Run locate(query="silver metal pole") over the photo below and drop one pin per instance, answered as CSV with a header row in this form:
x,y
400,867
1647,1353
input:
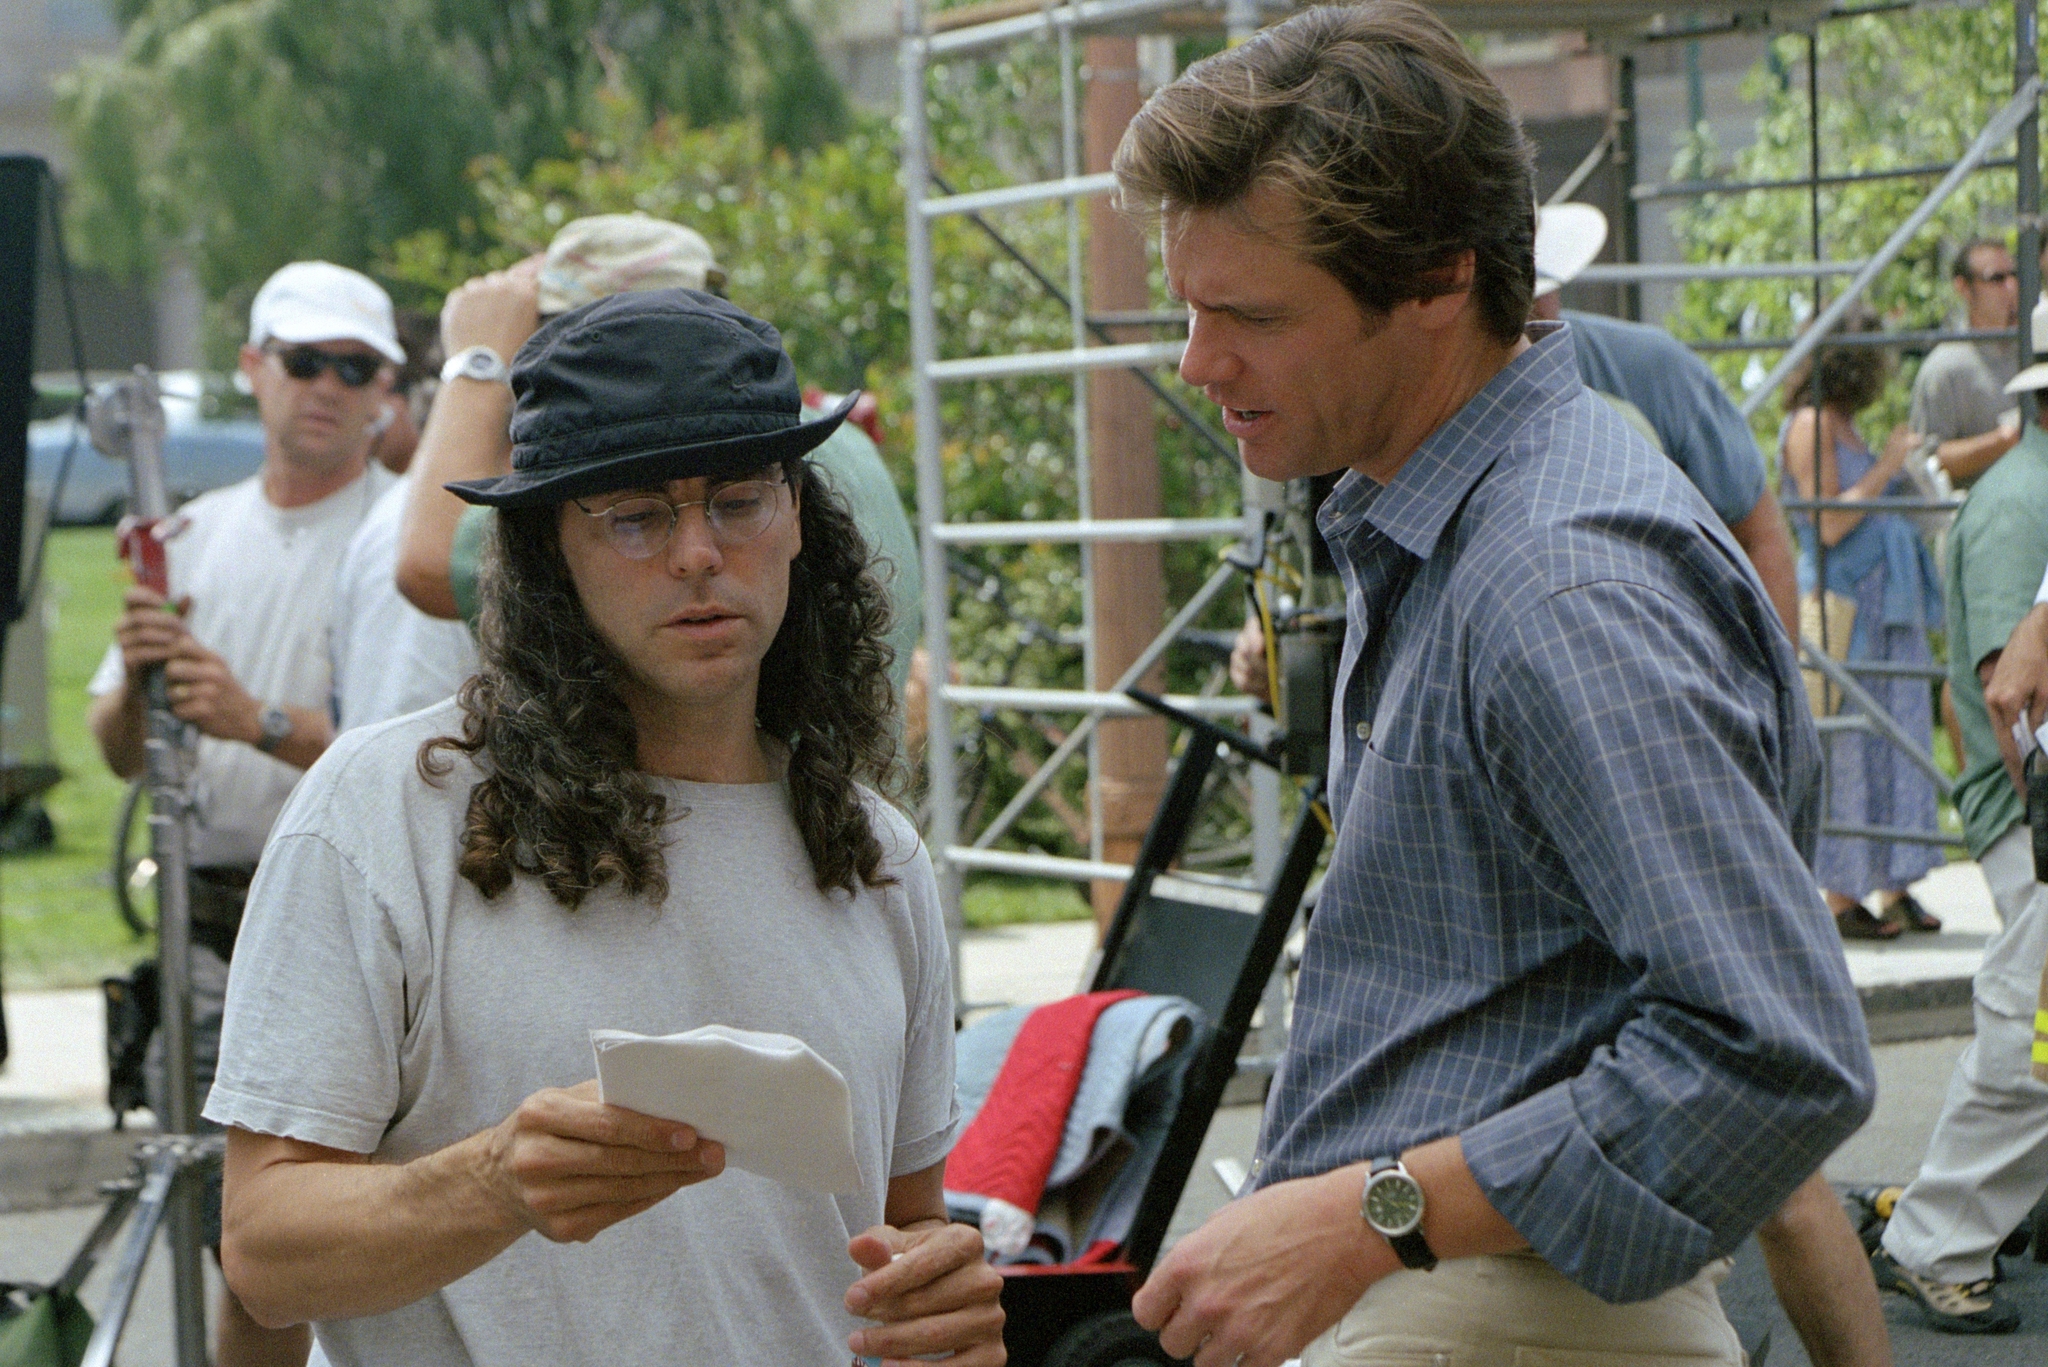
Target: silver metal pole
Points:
x,y
1240,20
127,422
1264,502
1602,273
1078,737
1102,529
963,42
939,752
1109,704
1880,720
1077,315
1011,196
159,1183
1586,167
2002,126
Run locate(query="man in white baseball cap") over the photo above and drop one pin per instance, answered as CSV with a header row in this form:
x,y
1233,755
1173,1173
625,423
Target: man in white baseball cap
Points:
x,y
243,635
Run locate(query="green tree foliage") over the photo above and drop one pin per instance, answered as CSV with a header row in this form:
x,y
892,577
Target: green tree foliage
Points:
x,y
241,134
1897,90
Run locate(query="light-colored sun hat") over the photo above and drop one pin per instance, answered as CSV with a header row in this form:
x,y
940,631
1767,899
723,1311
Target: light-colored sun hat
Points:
x,y
606,254
317,301
2034,376
1568,237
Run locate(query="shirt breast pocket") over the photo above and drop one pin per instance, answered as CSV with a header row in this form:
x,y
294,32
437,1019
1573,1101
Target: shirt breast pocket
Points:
x,y
1416,851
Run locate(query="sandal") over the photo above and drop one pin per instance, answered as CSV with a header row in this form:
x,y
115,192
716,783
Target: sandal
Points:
x,y
1915,916
1856,923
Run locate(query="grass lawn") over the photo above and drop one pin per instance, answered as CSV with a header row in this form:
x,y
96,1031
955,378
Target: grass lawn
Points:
x,y
1005,901
58,927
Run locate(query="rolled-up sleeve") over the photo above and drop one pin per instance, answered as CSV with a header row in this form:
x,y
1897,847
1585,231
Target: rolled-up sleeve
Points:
x,y
1634,749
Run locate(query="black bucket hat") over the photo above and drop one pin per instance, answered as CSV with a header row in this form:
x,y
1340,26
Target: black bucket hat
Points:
x,y
642,388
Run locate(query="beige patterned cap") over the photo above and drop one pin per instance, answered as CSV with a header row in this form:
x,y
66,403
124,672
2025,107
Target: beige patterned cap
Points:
x,y
607,254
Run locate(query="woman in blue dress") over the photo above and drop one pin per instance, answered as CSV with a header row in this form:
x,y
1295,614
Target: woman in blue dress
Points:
x,y
1878,561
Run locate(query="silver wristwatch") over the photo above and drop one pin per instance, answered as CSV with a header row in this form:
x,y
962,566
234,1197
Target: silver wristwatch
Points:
x,y
1392,1204
477,363
275,727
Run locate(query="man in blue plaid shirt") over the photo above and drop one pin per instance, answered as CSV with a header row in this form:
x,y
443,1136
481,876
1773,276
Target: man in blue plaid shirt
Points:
x,y
1572,1019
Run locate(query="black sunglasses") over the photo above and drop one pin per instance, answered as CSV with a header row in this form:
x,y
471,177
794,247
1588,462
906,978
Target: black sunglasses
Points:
x,y
351,368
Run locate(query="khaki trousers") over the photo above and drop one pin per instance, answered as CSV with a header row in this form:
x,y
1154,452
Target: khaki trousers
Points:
x,y
1515,1310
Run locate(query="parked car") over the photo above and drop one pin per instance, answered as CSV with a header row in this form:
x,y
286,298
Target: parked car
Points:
x,y
200,453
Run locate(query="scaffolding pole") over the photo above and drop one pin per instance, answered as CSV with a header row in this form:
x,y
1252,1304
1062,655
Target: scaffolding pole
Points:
x,y
942,832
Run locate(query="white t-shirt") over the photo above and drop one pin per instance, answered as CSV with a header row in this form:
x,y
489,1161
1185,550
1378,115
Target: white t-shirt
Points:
x,y
261,581
389,657
379,1004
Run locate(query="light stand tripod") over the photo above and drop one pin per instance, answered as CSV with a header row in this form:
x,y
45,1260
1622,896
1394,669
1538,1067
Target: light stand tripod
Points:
x,y
126,421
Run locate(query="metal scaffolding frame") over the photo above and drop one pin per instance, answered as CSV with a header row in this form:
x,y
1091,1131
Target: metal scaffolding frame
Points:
x,y
1622,25
1089,351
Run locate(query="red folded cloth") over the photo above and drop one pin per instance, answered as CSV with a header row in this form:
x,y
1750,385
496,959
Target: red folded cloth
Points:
x,y
1008,1152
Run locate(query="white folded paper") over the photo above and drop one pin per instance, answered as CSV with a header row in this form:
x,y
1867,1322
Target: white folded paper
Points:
x,y
778,1108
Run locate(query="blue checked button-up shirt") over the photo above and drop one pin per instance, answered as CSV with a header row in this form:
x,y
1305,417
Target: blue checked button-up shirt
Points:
x,y
1569,914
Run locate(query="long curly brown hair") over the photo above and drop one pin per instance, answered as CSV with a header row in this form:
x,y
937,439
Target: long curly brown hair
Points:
x,y
562,797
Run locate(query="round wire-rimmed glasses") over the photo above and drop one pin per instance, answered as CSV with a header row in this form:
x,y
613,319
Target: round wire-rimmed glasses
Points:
x,y
639,527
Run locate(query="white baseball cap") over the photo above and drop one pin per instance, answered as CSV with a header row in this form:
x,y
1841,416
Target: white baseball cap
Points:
x,y
2034,376
1568,237
317,301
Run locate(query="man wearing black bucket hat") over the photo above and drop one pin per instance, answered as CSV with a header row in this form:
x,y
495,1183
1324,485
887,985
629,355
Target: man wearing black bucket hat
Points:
x,y
644,813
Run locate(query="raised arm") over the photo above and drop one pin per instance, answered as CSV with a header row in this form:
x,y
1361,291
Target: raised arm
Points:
x,y
467,433
315,1233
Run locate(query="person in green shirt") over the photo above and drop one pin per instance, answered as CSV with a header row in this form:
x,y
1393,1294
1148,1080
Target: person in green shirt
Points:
x,y
1987,1162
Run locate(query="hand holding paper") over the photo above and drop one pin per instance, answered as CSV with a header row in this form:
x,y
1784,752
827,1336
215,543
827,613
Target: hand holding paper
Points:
x,y
779,1110
569,1166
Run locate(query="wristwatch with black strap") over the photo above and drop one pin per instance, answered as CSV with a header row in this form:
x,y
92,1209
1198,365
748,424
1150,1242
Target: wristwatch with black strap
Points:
x,y
1392,1204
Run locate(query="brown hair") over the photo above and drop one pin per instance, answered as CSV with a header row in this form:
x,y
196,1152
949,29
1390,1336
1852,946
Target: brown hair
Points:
x,y
1849,378
1961,267
562,797
1396,149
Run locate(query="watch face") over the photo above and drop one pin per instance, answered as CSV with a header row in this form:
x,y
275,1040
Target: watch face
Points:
x,y
1393,1204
